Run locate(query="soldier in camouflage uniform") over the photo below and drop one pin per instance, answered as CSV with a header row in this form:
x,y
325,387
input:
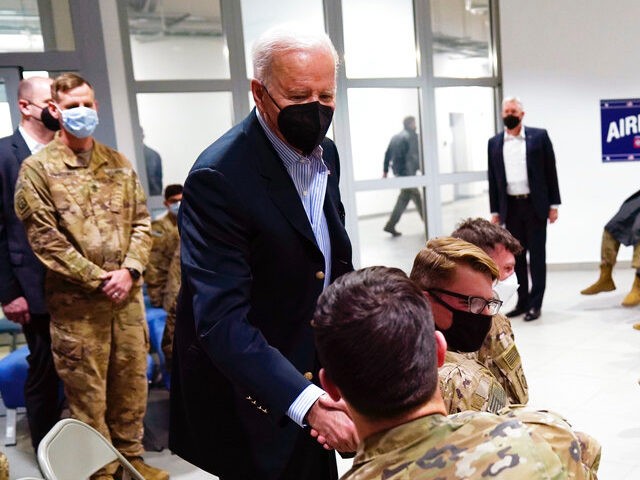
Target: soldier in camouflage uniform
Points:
x,y
85,216
170,300
465,382
165,241
376,340
499,352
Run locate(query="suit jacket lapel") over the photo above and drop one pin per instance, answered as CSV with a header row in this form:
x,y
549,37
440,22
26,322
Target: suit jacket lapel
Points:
x,y
279,184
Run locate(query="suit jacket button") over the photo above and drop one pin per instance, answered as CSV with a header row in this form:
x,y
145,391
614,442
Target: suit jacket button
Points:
x,y
308,376
320,275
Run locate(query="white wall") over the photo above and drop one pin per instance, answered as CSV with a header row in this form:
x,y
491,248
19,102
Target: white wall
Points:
x,y
561,59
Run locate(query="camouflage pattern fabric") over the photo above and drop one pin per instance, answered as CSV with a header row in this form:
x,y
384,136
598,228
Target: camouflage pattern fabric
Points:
x,y
85,215
500,355
164,232
583,448
4,467
170,300
472,445
467,385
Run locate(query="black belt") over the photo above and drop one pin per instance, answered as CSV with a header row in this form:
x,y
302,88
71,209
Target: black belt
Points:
x,y
524,196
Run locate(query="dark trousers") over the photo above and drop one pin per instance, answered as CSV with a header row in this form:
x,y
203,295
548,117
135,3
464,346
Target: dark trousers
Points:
x,y
42,388
406,195
531,232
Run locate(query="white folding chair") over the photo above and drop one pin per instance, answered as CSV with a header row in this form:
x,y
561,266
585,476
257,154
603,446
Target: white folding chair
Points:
x,y
72,450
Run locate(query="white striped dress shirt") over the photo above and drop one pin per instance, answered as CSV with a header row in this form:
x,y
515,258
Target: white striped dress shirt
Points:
x,y
309,175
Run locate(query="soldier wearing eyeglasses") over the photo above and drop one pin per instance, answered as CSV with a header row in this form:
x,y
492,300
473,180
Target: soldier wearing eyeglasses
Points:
x,y
457,278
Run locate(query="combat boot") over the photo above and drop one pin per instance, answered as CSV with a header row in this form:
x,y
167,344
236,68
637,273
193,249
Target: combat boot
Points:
x,y
633,297
603,284
636,326
147,471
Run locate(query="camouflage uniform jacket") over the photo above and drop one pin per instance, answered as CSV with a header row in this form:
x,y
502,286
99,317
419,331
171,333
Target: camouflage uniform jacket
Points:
x,y
467,385
500,355
84,214
169,304
164,232
472,445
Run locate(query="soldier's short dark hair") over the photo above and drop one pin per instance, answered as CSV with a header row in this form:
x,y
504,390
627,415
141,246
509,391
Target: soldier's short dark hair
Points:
x,y
486,235
435,265
65,82
374,333
171,190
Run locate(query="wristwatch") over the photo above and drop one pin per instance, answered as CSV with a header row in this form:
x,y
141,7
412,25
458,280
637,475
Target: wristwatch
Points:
x,y
135,274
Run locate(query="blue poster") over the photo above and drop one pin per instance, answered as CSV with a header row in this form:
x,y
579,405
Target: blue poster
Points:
x,y
620,130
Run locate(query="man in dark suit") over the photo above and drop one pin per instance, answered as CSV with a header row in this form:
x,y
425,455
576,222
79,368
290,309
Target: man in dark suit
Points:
x,y
21,273
262,234
523,194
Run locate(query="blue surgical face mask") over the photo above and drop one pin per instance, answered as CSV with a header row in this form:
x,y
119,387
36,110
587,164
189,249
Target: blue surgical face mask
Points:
x,y
80,122
174,208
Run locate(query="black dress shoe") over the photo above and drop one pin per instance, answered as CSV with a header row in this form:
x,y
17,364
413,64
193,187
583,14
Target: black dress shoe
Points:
x,y
392,231
516,312
532,314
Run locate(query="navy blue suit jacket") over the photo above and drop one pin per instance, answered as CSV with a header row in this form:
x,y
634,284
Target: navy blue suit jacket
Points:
x,y
250,282
541,172
21,273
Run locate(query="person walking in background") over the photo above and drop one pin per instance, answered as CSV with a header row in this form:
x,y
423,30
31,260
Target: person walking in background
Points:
x,y
86,219
403,156
623,228
262,234
524,195
21,273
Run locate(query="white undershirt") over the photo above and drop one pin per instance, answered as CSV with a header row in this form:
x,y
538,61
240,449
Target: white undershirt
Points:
x,y
514,152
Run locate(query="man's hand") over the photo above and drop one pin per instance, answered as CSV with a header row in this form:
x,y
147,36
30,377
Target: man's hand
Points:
x,y
117,284
495,218
331,425
17,311
553,215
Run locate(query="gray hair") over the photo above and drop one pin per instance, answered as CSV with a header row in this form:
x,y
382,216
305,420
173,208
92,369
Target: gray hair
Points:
x,y
515,100
286,39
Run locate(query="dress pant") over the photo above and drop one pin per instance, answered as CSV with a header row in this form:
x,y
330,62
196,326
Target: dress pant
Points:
x,y
531,232
42,391
404,197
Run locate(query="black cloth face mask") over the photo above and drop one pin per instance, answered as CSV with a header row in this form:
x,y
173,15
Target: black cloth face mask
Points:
x,y
511,121
47,119
303,125
467,331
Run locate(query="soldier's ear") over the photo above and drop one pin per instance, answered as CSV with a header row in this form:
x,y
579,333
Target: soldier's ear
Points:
x,y
328,386
441,346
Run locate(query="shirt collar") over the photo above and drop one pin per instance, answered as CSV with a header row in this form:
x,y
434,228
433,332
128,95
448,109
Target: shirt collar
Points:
x,y
33,145
288,155
508,136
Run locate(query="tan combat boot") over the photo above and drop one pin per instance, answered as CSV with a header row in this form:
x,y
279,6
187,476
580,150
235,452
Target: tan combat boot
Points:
x,y
636,326
633,297
147,471
603,284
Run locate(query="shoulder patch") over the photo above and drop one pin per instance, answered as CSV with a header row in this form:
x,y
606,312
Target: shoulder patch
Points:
x,y
23,207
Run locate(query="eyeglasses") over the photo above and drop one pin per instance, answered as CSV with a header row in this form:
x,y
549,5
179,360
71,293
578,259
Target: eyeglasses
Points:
x,y
474,304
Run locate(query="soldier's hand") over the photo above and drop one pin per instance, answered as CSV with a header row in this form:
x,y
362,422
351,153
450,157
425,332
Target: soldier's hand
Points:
x,y
117,284
495,219
331,425
17,310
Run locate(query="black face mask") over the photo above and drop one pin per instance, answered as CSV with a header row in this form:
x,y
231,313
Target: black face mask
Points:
x,y
303,125
511,121
467,331
47,119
